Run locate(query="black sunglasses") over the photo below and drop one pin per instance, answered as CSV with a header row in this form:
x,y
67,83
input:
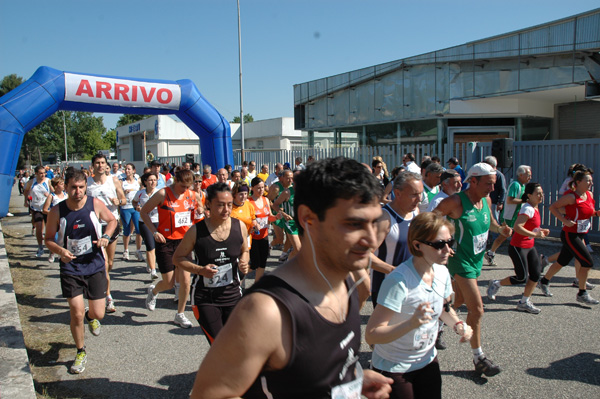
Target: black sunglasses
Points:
x,y
440,244
197,181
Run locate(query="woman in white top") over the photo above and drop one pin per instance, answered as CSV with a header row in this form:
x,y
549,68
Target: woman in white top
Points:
x,y
129,214
149,181
59,195
412,298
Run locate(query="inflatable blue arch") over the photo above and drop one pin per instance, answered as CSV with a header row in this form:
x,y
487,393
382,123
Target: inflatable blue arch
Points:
x,y
50,90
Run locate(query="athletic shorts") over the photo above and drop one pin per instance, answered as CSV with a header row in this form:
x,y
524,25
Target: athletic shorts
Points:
x,y
115,234
91,287
259,253
37,216
164,255
465,271
289,226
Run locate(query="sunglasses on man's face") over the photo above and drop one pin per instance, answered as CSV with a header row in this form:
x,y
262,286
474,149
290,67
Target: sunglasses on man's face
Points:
x,y
440,244
197,181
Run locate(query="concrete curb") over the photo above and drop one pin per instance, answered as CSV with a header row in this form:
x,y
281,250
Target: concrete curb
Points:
x,y
16,380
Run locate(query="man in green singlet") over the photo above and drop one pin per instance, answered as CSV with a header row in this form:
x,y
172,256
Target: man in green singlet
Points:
x,y
469,210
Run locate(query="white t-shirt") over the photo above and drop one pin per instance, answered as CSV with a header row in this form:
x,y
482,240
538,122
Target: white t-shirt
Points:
x,y
130,190
403,291
141,197
439,197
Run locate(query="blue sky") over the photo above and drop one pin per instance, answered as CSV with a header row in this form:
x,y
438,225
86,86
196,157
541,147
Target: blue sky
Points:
x,y
284,42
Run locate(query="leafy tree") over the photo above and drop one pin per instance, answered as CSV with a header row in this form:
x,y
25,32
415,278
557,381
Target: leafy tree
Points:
x,y
247,119
9,82
126,119
110,139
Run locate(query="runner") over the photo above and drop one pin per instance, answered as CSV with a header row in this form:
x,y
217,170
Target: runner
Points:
x,y
296,334
221,248
80,246
243,209
412,299
574,210
58,196
469,210
176,207
259,253
108,190
36,191
149,181
129,214
393,228
511,208
521,250
281,194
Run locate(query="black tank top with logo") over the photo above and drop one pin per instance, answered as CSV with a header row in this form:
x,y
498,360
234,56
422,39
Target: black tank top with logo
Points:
x,y
224,288
323,362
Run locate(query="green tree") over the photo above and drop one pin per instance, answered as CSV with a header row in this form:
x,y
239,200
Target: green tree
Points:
x,y
9,82
110,139
126,119
247,119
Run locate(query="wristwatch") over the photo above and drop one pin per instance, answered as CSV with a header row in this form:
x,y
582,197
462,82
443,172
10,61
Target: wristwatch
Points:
x,y
105,236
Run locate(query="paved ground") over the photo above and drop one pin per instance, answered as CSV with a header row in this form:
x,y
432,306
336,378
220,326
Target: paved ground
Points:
x,y
142,354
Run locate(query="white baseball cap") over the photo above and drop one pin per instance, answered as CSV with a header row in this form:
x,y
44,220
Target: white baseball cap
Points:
x,y
480,169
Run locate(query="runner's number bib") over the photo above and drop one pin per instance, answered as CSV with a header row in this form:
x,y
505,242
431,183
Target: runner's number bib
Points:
x,y
583,226
479,243
183,219
80,247
223,277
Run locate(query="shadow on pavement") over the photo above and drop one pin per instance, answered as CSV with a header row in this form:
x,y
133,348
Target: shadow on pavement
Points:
x,y
583,367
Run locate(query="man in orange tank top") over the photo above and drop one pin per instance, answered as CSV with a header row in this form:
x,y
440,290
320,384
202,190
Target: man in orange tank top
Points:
x,y
176,206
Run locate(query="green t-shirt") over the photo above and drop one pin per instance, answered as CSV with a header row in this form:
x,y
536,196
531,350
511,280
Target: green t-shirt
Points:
x,y
511,211
471,232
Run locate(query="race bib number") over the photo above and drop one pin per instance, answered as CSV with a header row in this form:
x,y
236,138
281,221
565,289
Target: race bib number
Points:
x,y
479,243
424,337
183,219
223,277
80,247
583,226
262,222
349,390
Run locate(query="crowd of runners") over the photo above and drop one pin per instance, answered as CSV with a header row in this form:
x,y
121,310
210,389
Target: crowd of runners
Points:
x,y
413,239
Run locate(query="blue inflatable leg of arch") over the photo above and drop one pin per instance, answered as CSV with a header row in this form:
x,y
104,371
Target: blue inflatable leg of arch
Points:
x,y
50,90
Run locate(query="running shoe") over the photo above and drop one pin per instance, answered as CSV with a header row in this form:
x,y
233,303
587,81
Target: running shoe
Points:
x,y
79,364
151,299
493,288
588,286
40,252
544,262
176,291
51,258
440,344
94,326
486,366
489,258
110,306
545,288
153,274
528,307
9,214
587,299
182,321
285,255
139,256
126,254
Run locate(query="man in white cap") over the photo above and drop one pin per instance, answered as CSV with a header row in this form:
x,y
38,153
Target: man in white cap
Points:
x,y
469,210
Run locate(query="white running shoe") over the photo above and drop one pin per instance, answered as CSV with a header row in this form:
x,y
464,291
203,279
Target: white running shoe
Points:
x,y
493,288
40,252
528,307
110,305
51,258
587,299
139,255
126,254
153,274
151,299
182,321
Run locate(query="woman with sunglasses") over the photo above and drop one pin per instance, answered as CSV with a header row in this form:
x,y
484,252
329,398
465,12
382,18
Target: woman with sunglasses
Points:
x,y
523,254
412,298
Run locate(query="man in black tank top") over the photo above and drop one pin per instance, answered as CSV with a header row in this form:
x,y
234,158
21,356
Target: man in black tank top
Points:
x,y
296,333
81,248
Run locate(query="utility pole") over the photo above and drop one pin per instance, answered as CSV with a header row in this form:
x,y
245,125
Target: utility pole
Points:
x,y
241,95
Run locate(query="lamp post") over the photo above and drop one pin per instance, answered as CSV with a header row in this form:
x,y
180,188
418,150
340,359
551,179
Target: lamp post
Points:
x,y
241,95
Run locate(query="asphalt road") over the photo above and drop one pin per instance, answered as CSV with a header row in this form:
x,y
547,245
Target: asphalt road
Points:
x,y
142,354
